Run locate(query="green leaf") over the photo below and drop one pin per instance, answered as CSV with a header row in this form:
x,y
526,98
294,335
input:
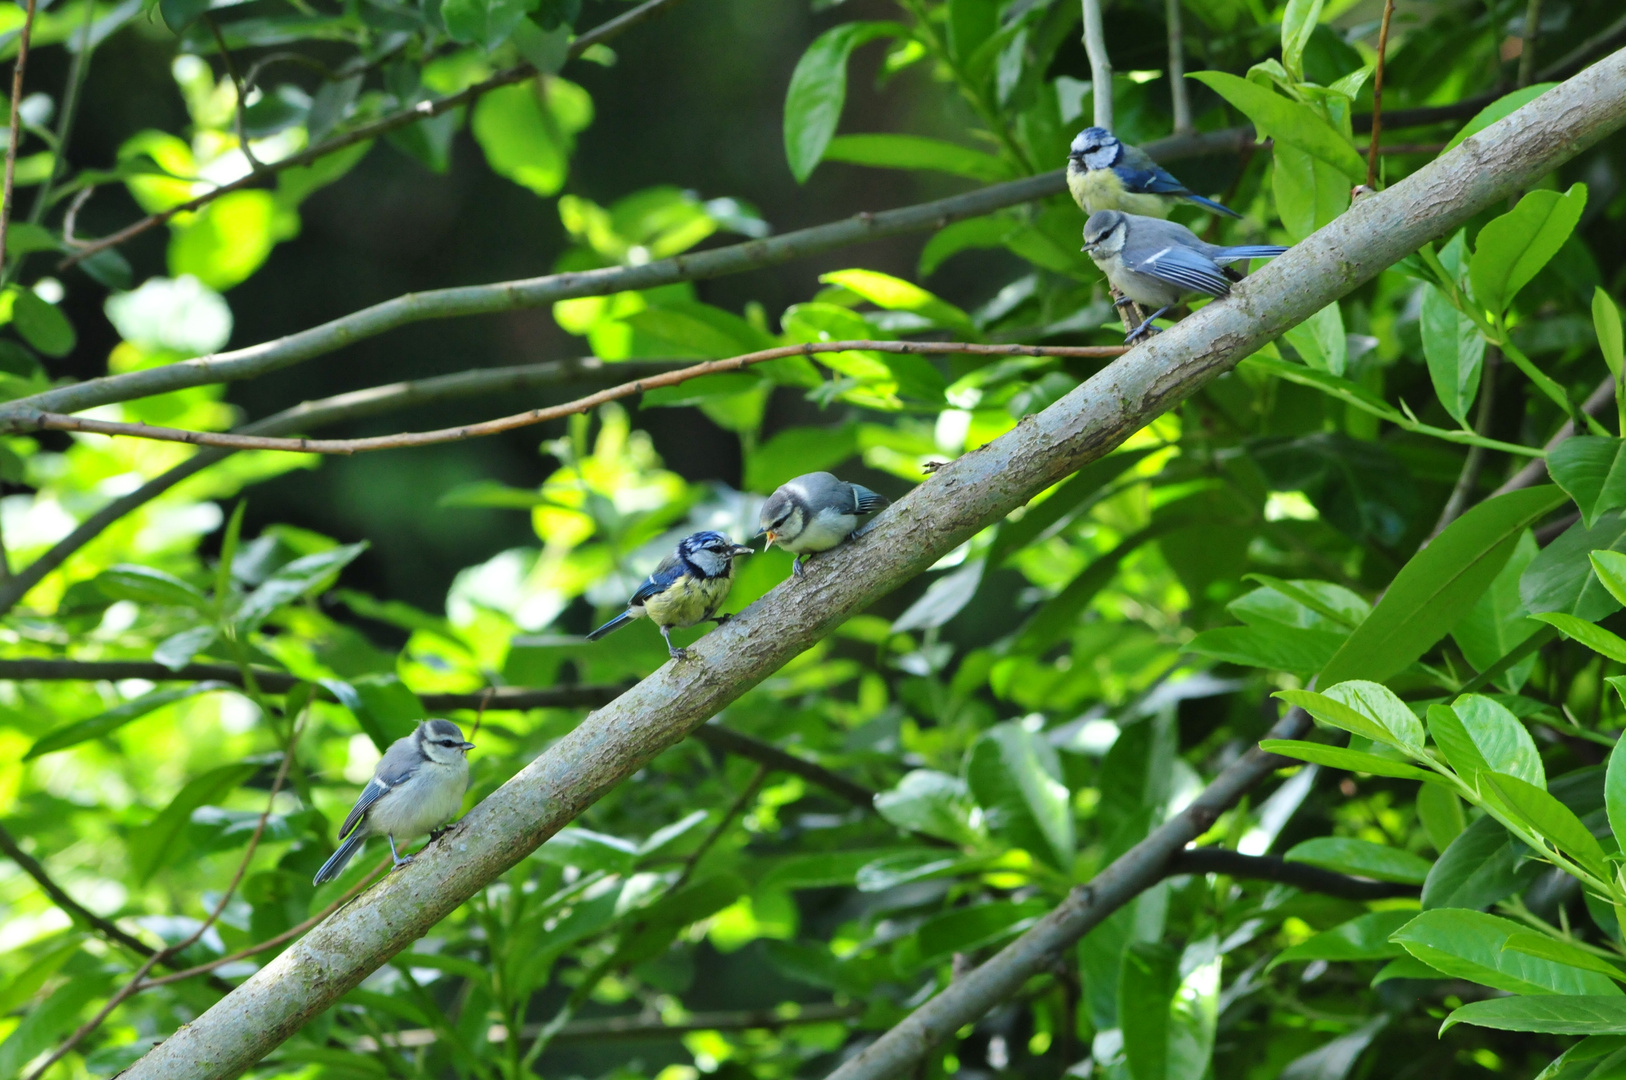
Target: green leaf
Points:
x,y
1286,121
528,131
303,575
969,928
933,803
1552,820
1361,858
989,231
896,294
1614,793
179,14
177,650
1502,106
1606,323
42,325
1592,469
1470,945
1511,249
589,851
148,585
1147,980
1336,713
487,23
1440,812
1561,576
1483,865
1298,23
1365,937
49,1022
1015,777
1439,585
823,869
1455,351
228,240
106,723
1309,192
818,90
917,152
153,845
1270,646
1380,703
1336,757
1594,637
798,450
1320,340
1497,625
1073,496
1590,1014
1562,952
1486,735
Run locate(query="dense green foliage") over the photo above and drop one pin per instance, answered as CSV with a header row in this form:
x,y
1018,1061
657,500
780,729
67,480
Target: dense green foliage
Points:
x,y
1050,693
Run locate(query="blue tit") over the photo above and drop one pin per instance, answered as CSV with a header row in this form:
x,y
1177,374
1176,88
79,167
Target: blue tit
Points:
x,y
417,787
1154,262
1105,174
815,512
686,588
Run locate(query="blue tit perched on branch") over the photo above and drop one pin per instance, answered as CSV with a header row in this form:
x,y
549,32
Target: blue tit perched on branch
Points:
x,y
416,788
686,588
814,513
1105,174
1154,262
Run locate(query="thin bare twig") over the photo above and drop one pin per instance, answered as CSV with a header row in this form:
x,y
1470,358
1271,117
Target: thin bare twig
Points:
x,y
1377,96
1474,463
1527,43
135,984
1095,47
16,126
424,110
1601,398
1179,92
255,164
60,422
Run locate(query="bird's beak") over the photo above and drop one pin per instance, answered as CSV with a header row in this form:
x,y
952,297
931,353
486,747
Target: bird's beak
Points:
x,y
741,549
771,535
466,747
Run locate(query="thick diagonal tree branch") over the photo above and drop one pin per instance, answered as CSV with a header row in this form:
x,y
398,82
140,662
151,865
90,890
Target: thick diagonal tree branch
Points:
x,y
256,360
951,506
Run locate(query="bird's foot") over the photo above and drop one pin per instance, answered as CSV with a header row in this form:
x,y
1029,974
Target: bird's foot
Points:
x,y
796,566
677,653
401,860
436,834
1123,301
721,619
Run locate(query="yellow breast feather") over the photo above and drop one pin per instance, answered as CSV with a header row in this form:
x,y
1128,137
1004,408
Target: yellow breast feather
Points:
x,y
1102,190
688,600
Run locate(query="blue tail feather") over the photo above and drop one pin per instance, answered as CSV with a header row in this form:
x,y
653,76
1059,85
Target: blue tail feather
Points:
x,y
1254,251
614,624
1219,208
341,858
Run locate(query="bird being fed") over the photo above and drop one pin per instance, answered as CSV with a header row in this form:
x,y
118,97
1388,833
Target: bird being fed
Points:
x,y
1154,262
686,588
815,512
1106,174
416,788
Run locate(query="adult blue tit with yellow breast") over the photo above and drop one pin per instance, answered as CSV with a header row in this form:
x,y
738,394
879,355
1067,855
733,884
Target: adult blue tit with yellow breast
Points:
x,y
1155,262
686,588
815,512
416,788
1106,174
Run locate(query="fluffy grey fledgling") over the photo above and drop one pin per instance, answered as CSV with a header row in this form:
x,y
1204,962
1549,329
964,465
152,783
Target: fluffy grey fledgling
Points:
x,y
416,788
815,512
1154,262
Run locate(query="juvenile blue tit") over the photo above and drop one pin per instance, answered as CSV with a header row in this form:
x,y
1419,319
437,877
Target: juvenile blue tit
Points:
x,y
1105,174
1154,262
417,787
686,588
815,513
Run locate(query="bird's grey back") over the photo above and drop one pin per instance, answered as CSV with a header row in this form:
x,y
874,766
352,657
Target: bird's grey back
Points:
x,y
823,489
400,761
1157,233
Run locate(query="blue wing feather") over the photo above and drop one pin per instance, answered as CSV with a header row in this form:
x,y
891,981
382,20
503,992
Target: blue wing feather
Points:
x,y
659,580
1152,181
1185,268
369,795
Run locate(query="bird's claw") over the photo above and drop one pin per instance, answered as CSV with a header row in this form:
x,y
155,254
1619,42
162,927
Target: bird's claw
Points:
x,y
400,861
677,653
796,566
